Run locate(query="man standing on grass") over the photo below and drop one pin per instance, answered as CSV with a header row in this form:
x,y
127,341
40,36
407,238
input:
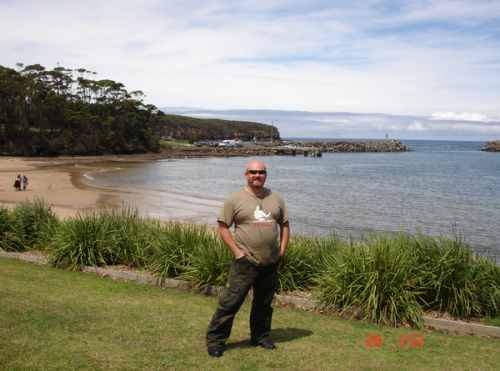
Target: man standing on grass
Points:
x,y
256,212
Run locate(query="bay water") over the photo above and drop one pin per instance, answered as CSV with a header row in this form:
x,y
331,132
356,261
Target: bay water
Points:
x,y
439,187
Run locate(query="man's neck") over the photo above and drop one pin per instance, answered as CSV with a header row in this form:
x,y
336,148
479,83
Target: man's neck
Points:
x,y
255,191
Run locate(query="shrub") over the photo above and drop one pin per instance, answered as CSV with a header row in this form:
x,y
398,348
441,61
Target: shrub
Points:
x,y
378,277
129,237
170,250
459,280
489,281
208,260
296,268
9,237
83,240
35,224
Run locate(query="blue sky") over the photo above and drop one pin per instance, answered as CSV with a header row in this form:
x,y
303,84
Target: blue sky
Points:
x,y
421,69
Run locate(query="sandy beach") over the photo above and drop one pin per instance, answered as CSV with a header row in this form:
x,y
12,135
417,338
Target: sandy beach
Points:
x,y
66,184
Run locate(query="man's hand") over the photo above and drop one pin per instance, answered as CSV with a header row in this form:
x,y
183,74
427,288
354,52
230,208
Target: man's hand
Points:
x,y
228,239
284,237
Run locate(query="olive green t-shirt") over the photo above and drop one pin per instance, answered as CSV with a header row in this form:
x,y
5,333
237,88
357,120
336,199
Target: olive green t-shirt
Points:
x,y
256,221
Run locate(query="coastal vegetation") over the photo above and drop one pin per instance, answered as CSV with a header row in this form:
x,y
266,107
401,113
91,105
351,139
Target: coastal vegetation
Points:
x,y
385,278
64,111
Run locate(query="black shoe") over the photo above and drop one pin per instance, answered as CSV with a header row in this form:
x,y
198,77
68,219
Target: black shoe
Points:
x,y
266,344
215,351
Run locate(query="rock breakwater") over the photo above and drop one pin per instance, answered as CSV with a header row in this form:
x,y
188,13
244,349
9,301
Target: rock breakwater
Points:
x,y
492,146
355,146
369,146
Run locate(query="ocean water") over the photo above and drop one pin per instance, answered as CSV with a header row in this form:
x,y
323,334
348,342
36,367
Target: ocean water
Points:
x,y
440,187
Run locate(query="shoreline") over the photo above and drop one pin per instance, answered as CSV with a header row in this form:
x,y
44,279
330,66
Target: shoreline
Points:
x,y
62,183
57,186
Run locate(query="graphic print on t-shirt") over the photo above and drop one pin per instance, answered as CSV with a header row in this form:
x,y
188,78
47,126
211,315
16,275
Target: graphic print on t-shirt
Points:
x,y
260,217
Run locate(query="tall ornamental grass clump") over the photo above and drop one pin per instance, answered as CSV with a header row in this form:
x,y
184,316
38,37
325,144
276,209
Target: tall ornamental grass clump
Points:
x,y
458,279
378,278
34,224
322,248
105,238
489,296
83,240
129,237
173,248
297,266
9,237
208,260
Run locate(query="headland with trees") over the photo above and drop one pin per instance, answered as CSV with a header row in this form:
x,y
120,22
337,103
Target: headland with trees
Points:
x,y
70,112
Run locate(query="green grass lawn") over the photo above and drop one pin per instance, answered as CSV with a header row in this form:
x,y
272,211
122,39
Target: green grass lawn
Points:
x,y
53,319
492,322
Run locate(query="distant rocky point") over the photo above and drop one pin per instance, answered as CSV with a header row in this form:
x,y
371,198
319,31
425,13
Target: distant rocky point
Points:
x,y
492,146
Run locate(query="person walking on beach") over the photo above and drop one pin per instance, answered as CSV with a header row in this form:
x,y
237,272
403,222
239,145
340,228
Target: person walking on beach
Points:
x,y
257,256
17,183
25,182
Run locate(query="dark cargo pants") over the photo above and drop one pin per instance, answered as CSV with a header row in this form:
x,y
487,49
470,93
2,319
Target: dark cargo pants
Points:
x,y
242,276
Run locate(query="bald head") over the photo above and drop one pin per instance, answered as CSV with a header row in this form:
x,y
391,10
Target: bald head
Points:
x,y
256,165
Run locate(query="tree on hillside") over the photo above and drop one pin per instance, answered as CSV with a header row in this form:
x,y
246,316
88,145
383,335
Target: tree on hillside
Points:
x,y
52,112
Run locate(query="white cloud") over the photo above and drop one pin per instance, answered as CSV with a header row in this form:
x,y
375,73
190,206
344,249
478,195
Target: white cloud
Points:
x,y
441,115
467,129
416,126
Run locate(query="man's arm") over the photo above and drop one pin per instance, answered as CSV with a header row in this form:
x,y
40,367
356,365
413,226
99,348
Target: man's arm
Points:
x,y
228,239
284,236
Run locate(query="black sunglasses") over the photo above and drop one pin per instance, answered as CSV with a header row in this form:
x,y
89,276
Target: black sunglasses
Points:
x,y
261,172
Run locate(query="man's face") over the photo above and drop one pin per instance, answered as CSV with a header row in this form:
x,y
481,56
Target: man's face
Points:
x,y
256,180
